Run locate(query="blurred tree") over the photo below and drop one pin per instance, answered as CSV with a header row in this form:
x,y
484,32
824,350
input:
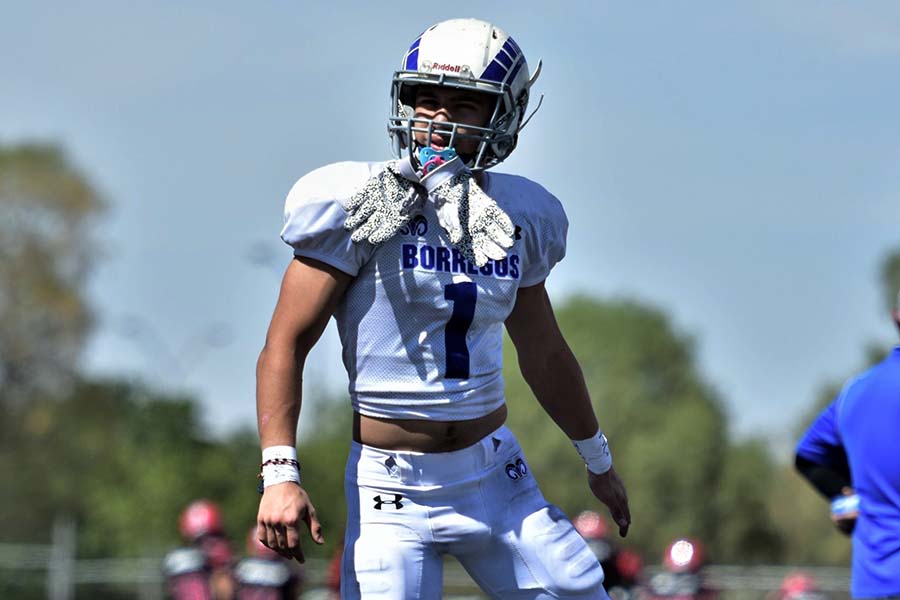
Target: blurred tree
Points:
x,y
46,209
746,532
667,430
123,461
890,277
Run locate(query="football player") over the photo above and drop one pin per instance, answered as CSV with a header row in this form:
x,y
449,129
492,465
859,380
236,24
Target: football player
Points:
x,y
621,566
200,570
682,576
423,260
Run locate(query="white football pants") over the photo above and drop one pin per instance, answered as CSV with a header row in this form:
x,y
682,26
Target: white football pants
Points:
x,y
480,504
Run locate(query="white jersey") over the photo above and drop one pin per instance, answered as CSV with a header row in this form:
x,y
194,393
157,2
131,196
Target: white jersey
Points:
x,y
421,327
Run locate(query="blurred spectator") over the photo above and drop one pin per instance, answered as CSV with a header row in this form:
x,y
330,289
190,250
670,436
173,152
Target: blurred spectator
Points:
x,y
333,574
621,567
265,575
798,586
200,570
682,577
851,455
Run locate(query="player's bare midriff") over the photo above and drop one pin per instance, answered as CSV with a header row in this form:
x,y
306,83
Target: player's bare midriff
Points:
x,y
418,435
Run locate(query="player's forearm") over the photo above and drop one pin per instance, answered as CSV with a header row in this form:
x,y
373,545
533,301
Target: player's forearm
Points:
x,y
557,382
278,395
828,481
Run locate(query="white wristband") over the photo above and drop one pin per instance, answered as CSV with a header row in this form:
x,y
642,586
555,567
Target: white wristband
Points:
x,y
273,474
288,452
594,452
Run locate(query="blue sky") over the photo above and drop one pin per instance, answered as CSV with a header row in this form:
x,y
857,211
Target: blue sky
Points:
x,y
733,163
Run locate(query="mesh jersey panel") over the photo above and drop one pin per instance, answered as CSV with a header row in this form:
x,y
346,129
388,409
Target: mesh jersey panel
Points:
x,y
421,328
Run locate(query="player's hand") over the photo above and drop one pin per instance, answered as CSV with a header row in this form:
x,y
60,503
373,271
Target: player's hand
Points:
x,y
845,511
609,489
283,510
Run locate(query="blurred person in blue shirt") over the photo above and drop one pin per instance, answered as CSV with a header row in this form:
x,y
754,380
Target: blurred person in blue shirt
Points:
x,y
851,455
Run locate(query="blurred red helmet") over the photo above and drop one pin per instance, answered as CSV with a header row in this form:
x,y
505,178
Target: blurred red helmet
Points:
x,y
257,549
629,564
200,518
590,525
797,583
683,556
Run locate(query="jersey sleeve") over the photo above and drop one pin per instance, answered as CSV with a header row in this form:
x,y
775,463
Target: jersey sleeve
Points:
x,y
822,443
544,239
314,215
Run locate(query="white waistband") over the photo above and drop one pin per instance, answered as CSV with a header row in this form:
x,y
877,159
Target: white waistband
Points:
x,y
373,465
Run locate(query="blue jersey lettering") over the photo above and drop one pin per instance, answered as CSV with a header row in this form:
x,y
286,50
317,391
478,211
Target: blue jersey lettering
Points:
x,y
409,252
447,260
426,257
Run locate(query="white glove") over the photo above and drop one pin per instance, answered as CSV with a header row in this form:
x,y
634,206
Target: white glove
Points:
x,y
384,205
477,227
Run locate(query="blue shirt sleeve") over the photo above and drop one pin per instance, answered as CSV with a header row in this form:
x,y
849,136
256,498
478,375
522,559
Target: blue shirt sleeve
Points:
x,y
822,443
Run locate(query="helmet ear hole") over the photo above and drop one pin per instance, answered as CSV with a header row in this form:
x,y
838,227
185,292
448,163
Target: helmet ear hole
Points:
x,y
504,147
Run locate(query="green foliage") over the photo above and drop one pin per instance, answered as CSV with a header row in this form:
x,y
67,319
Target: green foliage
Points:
x,y
746,533
46,209
666,427
123,461
890,278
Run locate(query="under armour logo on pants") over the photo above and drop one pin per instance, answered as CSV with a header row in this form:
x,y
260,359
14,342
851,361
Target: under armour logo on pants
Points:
x,y
395,502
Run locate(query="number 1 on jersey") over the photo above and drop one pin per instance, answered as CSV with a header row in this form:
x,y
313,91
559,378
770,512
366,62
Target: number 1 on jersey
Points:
x,y
463,296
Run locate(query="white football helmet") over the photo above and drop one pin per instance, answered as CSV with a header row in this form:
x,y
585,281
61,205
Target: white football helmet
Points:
x,y
467,54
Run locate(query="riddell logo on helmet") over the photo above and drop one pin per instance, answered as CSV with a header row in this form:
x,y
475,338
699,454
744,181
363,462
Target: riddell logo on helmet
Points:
x,y
446,67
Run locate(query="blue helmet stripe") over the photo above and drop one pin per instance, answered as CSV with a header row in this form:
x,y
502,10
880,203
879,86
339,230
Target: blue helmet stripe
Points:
x,y
412,58
511,48
499,67
512,44
496,71
515,71
504,58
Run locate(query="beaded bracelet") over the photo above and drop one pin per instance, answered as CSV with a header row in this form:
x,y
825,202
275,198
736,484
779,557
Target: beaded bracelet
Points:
x,y
279,465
